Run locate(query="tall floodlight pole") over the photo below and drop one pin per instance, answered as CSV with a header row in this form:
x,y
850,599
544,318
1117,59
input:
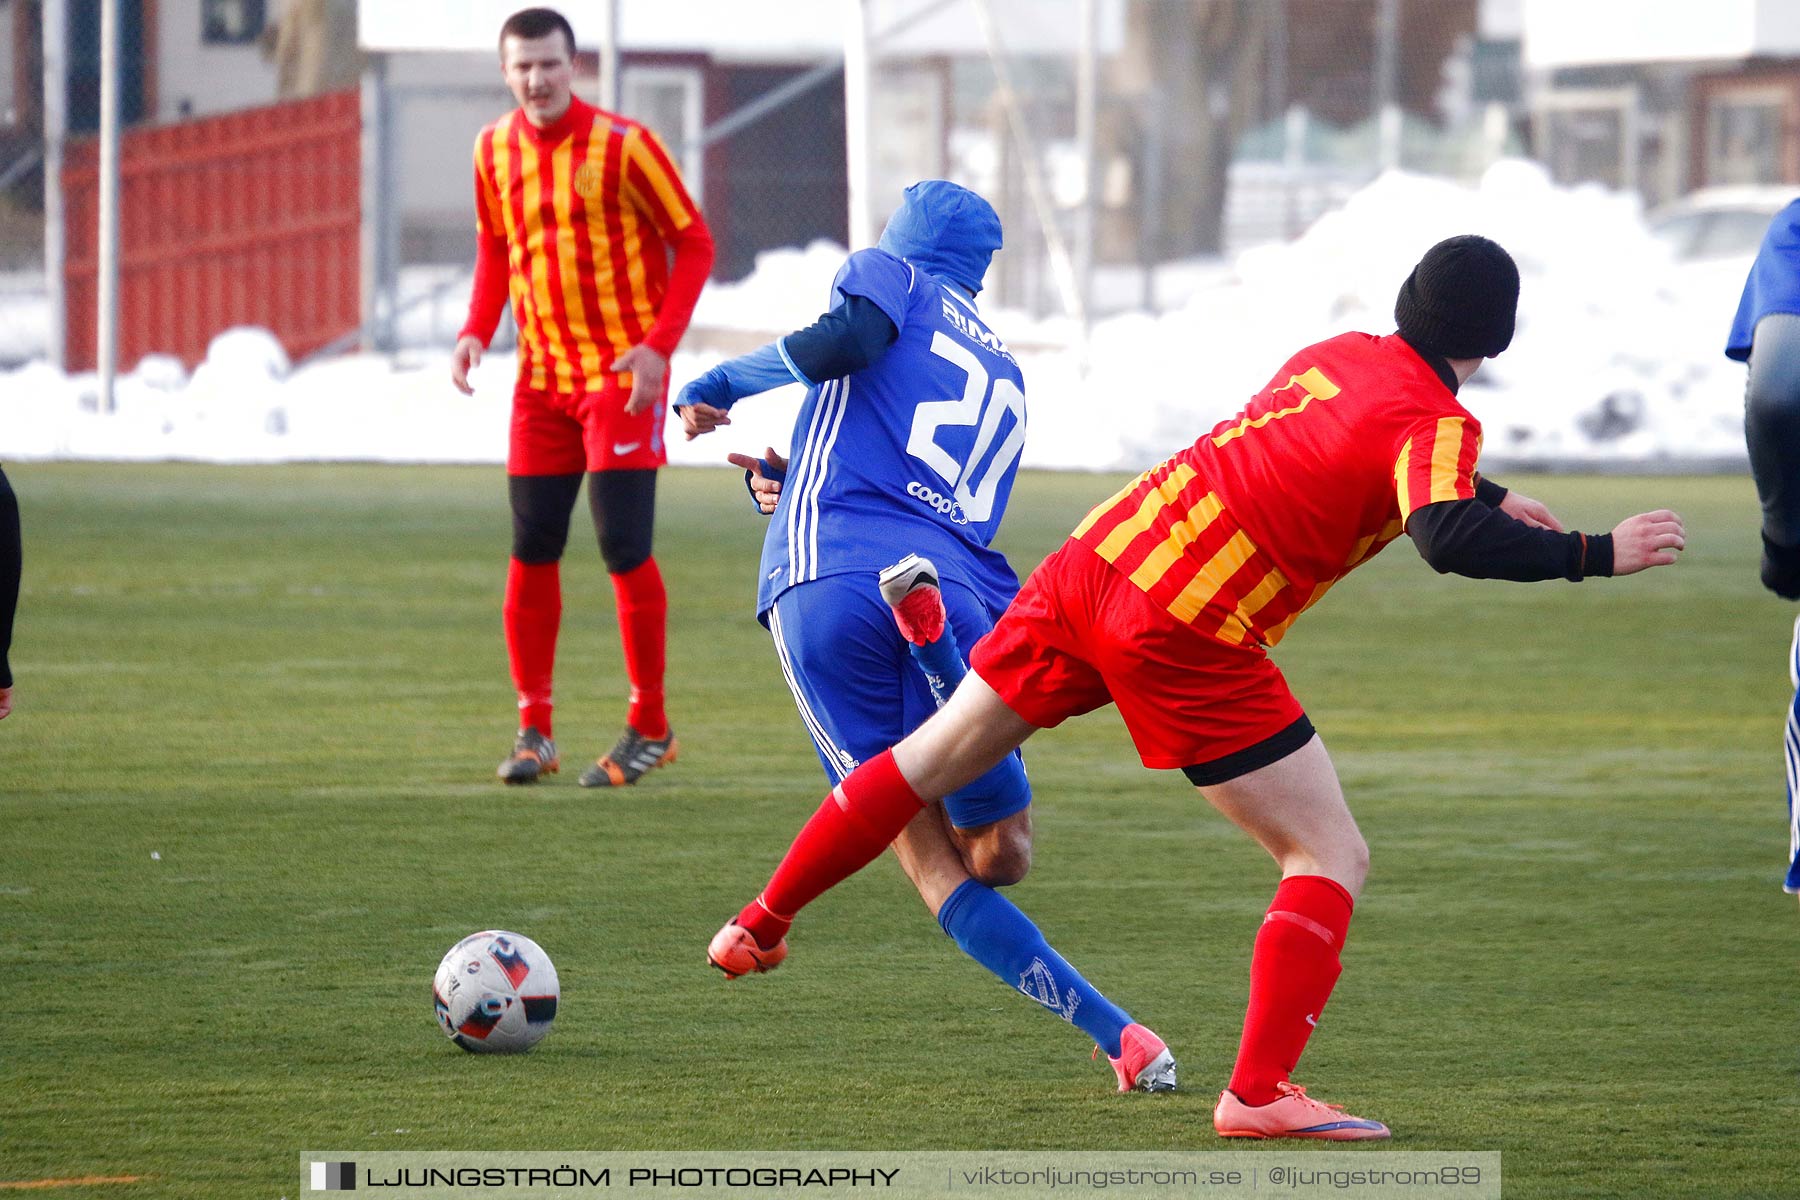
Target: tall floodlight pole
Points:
x,y
380,223
609,55
107,306
56,123
1387,67
856,122
1087,104
1062,264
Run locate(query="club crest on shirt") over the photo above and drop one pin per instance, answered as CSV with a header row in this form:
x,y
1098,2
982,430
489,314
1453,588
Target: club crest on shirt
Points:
x,y
587,180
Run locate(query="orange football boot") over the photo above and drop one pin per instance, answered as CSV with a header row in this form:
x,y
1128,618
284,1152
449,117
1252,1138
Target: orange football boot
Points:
x,y
736,953
1293,1115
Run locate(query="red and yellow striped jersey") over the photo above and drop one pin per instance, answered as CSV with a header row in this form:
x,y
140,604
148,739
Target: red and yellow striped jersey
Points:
x,y
587,208
1243,531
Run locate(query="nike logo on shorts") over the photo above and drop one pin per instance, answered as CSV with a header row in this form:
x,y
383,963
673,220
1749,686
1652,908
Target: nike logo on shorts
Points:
x,y
625,447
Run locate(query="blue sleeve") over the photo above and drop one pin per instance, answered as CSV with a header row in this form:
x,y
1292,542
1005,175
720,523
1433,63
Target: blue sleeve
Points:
x,y
878,276
875,276
746,375
1774,282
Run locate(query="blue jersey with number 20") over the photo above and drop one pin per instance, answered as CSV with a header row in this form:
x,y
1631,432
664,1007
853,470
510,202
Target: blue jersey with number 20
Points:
x,y
914,454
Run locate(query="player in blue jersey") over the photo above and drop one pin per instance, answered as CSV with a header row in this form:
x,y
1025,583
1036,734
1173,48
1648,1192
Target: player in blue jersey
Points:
x,y
1766,334
907,445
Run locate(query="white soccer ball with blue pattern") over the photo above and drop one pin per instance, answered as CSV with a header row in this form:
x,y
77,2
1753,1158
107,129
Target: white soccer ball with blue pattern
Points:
x,y
495,993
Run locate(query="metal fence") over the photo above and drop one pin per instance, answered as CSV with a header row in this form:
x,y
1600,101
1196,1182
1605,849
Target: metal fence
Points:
x,y
253,218
1201,127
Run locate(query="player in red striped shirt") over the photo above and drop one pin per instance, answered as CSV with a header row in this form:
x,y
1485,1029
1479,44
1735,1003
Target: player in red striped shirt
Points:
x,y
577,213
1166,599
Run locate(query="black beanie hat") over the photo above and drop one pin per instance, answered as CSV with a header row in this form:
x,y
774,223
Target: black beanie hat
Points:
x,y
1460,300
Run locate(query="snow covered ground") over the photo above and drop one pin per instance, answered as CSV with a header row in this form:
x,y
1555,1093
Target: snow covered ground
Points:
x,y
1618,356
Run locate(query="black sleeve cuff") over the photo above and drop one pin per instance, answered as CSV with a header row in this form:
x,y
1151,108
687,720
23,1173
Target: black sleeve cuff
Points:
x,y
1489,492
1596,555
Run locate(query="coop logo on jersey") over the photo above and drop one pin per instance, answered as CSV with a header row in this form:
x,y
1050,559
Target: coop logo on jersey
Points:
x,y
333,1177
944,505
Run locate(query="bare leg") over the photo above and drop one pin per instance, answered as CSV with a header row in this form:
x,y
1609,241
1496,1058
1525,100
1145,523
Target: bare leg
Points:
x,y
961,742
1295,810
969,736
992,931
998,854
929,858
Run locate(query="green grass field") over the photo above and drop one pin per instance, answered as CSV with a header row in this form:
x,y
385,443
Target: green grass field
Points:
x,y
289,683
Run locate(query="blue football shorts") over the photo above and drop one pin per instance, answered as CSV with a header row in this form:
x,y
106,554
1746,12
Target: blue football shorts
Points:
x,y
859,691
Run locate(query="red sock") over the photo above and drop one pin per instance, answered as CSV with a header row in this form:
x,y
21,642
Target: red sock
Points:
x,y
1292,971
643,624
532,614
851,829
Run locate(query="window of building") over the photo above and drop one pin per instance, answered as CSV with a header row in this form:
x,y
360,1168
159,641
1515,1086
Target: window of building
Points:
x,y
230,22
1743,136
1589,136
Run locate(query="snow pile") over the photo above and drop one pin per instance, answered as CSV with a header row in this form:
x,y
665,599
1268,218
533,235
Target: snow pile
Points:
x,y
243,405
788,290
1618,355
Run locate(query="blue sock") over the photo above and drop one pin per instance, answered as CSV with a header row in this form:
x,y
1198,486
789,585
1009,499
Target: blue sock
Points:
x,y
992,931
942,663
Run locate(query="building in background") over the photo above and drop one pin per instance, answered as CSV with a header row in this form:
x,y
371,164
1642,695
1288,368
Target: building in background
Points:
x,y
1664,97
1287,107
774,180
178,58
1217,124
778,182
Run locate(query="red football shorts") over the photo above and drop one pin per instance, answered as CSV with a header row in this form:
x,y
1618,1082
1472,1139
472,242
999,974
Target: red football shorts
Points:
x,y
1081,634
558,434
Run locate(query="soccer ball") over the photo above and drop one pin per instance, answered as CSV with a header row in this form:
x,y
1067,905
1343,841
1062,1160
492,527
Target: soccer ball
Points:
x,y
495,993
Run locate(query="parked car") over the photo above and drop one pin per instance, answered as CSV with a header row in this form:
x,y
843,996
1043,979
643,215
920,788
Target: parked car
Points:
x,y
1716,223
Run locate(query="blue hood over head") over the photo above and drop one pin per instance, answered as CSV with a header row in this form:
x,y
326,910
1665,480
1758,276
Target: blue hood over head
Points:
x,y
946,229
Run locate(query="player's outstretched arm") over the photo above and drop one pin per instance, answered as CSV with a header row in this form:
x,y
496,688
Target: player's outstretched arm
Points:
x,y
849,338
1652,539
1469,537
705,404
